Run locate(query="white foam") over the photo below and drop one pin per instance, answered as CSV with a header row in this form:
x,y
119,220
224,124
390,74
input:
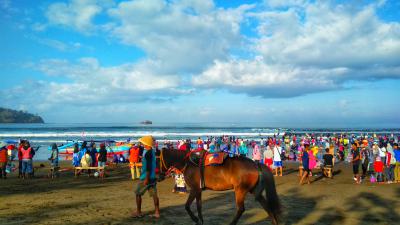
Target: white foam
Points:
x,y
129,134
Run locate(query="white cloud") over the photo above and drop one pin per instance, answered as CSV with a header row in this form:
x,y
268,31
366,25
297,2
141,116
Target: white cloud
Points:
x,y
319,51
89,81
258,78
185,36
329,36
77,14
285,3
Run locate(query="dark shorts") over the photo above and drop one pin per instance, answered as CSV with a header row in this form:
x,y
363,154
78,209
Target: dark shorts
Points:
x,y
356,168
151,188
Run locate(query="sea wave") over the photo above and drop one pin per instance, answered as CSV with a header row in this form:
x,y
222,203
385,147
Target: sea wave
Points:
x,y
131,134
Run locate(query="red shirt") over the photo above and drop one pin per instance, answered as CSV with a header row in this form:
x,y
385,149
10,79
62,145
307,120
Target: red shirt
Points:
x,y
3,155
20,152
378,166
134,154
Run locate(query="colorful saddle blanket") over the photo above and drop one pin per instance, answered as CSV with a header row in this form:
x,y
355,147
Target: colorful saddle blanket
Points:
x,y
214,159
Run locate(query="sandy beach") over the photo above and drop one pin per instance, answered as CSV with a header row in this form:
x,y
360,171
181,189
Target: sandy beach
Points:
x,y
84,200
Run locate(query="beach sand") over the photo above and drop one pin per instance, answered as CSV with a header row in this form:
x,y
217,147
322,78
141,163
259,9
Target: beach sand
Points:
x,y
84,200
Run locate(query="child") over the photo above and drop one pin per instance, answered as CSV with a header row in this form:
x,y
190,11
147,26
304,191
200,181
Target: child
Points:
x,y
180,185
378,167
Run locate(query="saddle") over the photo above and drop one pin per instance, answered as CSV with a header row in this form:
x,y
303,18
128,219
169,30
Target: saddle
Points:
x,y
214,159
207,159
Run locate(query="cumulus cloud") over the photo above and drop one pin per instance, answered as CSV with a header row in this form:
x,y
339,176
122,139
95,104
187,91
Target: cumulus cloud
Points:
x,y
77,14
185,35
318,48
90,82
255,77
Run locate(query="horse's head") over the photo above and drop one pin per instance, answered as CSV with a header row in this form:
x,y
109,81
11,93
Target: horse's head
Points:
x,y
171,159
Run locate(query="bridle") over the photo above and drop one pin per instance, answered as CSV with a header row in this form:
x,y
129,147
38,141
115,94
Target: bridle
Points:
x,y
170,168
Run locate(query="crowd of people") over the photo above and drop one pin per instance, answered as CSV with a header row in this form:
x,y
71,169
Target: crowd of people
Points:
x,y
378,156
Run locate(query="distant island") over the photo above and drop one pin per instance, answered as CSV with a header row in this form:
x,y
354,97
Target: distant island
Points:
x,y
15,116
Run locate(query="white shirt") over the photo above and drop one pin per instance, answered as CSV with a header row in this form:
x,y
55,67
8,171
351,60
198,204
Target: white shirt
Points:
x,y
268,154
382,152
277,153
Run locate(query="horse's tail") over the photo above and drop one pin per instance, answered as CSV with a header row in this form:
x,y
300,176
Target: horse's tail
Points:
x,y
266,182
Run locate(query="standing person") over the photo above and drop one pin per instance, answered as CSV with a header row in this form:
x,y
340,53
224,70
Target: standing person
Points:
x,y
134,160
243,149
147,178
102,158
356,162
382,152
305,161
27,155
364,161
75,156
54,155
20,146
82,151
256,154
378,168
3,159
396,152
328,162
54,161
268,157
390,165
277,160
93,152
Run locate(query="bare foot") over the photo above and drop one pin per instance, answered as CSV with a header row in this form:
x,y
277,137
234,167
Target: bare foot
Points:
x,y
136,215
155,216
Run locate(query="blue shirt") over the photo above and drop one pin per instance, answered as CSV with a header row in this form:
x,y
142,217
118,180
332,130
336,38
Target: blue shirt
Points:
x,y
148,164
305,159
397,155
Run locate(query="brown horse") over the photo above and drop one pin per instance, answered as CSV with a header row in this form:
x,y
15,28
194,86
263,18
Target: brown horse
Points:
x,y
238,173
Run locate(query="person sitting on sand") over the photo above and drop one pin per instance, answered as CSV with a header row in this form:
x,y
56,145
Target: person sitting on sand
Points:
x,y
147,178
86,161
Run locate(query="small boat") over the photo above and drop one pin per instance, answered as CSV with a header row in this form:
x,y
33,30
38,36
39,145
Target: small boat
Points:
x,y
146,122
119,148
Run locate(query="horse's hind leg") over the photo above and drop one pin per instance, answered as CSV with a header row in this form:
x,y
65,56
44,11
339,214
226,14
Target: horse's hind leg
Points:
x,y
263,203
239,196
192,196
198,204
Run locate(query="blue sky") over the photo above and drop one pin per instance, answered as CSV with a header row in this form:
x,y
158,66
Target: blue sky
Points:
x,y
285,63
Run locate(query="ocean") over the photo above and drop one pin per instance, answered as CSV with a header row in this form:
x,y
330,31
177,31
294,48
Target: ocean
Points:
x,y
43,135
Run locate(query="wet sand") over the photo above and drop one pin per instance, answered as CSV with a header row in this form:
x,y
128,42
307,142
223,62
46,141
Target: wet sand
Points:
x,y
84,200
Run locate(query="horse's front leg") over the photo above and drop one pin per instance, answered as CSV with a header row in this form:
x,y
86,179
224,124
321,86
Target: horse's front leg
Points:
x,y
198,204
192,196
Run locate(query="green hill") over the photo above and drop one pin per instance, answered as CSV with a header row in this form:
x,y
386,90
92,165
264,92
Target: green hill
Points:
x,y
14,116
